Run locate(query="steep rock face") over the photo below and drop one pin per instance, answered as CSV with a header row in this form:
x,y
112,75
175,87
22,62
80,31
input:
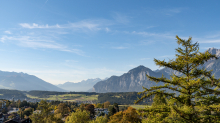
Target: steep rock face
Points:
x,y
131,81
23,81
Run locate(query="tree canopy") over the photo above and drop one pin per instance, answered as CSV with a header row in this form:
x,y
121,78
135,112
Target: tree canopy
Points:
x,y
192,97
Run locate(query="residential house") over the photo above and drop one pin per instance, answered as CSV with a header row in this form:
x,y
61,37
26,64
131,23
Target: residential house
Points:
x,y
100,111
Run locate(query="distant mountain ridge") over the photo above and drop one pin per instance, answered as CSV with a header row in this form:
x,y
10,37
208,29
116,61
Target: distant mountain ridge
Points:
x,y
131,81
134,79
85,85
26,82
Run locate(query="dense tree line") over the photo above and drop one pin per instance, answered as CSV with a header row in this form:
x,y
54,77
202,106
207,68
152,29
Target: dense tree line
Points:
x,y
6,94
44,94
122,98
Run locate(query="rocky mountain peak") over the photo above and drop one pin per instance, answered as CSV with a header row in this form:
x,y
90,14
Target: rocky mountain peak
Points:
x,y
214,51
139,68
133,80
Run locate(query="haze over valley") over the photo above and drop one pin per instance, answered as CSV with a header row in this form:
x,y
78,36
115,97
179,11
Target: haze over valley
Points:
x,y
132,81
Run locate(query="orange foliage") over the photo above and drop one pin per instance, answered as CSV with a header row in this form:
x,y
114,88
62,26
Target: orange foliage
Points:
x,y
128,116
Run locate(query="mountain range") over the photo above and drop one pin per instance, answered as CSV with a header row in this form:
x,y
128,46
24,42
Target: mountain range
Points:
x,y
85,85
134,79
26,82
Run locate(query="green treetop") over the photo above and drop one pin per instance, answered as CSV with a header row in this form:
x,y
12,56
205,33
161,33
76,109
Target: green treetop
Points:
x,y
192,97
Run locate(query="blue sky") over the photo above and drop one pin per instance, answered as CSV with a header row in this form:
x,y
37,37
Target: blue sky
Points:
x,y
60,41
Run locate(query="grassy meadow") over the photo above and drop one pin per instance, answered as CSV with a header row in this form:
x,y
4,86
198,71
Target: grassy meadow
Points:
x,y
67,97
134,106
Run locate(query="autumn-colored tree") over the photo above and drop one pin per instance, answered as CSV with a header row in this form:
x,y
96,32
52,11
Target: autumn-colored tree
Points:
x,y
27,111
91,110
128,116
82,107
62,108
78,117
106,104
99,105
45,115
190,98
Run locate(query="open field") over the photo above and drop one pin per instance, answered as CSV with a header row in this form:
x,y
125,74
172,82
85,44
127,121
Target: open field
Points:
x,y
135,106
138,106
67,97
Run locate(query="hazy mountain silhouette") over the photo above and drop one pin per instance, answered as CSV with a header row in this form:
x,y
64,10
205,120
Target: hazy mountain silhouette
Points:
x,y
23,81
85,85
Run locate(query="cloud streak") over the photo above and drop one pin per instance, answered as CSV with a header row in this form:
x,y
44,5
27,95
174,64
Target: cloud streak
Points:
x,y
208,41
120,47
163,35
7,32
35,26
37,42
165,12
92,25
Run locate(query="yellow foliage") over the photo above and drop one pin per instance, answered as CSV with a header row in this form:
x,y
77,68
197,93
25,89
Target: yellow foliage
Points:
x,y
128,116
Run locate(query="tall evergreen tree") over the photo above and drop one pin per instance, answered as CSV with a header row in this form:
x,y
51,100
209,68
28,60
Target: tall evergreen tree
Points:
x,y
192,97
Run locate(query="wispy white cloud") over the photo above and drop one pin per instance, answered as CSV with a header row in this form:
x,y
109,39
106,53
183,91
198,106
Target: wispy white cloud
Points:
x,y
120,47
173,11
3,38
207,41
92,25
215,35
39,42
7,32
158,35
107,29
165,12
34,26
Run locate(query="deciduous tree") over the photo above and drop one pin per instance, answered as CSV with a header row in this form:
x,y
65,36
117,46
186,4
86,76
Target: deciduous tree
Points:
x,y
91,109
106,104
62,108
128,116
78,117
